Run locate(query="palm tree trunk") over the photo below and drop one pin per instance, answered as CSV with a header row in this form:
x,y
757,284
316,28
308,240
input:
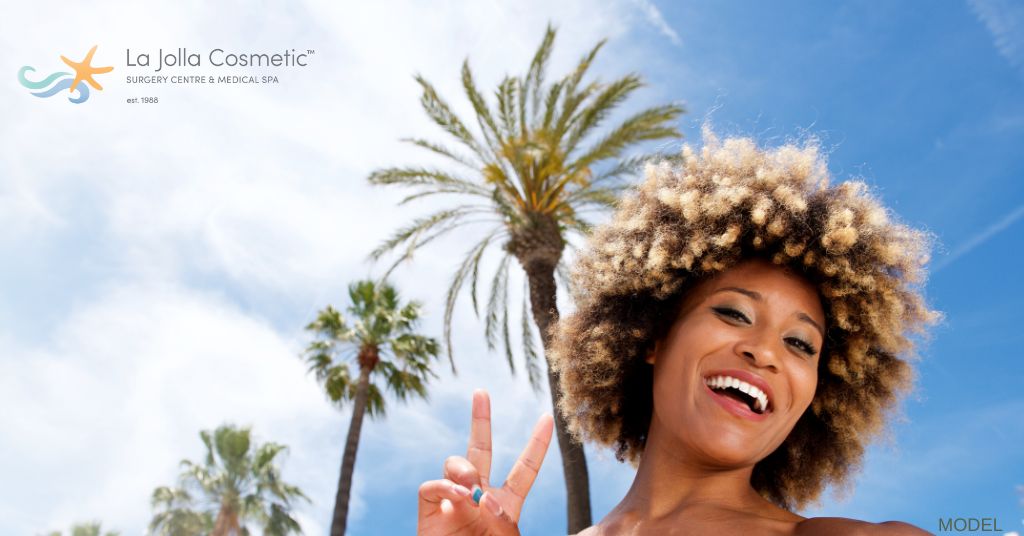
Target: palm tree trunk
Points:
x,y
227,523
348,461
541,277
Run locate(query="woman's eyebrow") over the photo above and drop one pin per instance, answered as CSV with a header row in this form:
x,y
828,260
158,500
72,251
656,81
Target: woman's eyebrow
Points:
x,y
751,293
803,317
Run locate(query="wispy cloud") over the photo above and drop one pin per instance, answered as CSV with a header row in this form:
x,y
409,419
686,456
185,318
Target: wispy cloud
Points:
x,y
1005,21
655,17
981,238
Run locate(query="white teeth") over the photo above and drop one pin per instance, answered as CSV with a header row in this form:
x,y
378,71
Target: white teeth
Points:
x,y
720,382
762,402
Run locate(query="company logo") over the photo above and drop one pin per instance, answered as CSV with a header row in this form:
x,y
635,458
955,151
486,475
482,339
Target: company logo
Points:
x,y
59,81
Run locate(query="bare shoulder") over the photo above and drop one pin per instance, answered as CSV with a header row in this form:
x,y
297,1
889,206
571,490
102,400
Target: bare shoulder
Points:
x,y
853,527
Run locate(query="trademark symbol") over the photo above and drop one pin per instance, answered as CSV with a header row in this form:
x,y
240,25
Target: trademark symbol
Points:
x,y
310,51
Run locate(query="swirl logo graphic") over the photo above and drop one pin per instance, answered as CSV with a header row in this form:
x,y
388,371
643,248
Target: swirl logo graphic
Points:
x,y
59,81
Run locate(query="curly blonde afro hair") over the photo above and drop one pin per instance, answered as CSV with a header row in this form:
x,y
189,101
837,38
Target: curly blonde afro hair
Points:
x,y
686,221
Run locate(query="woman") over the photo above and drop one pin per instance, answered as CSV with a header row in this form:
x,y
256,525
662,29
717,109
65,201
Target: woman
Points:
x,y
740,335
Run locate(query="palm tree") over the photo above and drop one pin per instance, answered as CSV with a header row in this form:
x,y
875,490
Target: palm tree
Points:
x,y
237,483
382,342
87,529
533,174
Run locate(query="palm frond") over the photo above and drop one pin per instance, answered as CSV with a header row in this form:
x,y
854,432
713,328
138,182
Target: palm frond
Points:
x,y
469,264
497,302
443,151
562,272
529,350
404,382
580,226
442,191
506,94
375,403
521,90
603,197
416,176
573,79
569,112
417,228
420,242
632,165
604,102
476,268
207,439
338,384
265,454
439,111
649,124
506,339
331,325
483,114
572,98
535,74
551,104
280,522
414,352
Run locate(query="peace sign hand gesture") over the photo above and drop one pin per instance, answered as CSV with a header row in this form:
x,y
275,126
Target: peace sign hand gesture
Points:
x,y
463,502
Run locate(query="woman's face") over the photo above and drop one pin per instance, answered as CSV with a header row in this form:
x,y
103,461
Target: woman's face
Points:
x,y
757,323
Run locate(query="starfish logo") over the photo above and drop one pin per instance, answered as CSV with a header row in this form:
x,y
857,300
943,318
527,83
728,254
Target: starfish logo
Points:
x,y
59,81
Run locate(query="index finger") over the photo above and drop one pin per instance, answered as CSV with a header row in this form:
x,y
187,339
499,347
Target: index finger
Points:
x,y
524,472
479,451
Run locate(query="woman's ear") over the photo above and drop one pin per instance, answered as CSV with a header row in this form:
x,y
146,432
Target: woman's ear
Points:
x,y
652,354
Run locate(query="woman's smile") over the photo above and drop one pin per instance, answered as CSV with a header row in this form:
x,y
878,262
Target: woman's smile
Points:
x,y
747,387
747,400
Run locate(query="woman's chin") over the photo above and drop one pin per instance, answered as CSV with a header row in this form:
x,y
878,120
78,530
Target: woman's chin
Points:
x,y
729,450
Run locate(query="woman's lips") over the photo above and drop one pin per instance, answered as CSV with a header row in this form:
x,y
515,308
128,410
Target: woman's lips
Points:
x,y
735,406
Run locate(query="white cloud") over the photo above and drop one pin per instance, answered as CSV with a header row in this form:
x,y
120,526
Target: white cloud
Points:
x,y
981,237
107,409
655,17
1005,21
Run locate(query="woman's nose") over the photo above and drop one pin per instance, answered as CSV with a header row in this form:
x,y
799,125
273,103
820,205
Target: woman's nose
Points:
x,y
758,350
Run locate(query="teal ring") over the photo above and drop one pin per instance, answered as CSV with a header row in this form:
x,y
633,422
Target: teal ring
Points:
x,y
477,493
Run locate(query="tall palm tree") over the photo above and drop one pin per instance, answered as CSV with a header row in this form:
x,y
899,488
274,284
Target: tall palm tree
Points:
x,y
380,338
237,483
533,174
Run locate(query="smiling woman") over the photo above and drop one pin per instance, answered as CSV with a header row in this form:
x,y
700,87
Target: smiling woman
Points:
x,y
741,333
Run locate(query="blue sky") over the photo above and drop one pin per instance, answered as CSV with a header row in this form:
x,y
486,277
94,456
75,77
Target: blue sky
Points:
x,y
162,260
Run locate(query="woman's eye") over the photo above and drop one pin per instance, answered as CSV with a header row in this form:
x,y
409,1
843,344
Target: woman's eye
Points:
x,y
731,313
804,346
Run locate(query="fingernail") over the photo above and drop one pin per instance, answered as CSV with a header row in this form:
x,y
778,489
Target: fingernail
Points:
x,y
477,493
492,505
460,490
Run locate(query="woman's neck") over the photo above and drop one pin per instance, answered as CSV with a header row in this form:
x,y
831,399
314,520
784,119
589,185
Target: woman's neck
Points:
x,y
671,481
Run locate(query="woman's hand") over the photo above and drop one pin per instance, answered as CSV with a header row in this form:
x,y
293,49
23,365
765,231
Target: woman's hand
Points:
x,y
447,506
